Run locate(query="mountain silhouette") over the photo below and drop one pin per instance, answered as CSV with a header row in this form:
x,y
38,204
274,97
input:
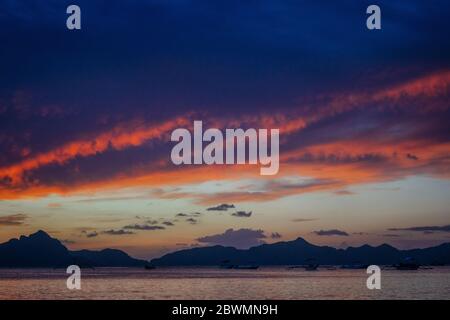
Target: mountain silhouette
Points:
x,y
106,258
299,252
36,250
39,250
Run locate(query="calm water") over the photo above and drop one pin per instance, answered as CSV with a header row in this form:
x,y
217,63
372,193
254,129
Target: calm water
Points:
x,y
212,283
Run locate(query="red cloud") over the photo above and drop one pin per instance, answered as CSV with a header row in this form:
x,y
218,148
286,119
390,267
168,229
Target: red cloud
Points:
x,y
342,161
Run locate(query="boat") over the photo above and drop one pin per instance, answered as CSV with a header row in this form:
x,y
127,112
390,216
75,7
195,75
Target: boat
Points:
x,y
149,267
354,266
407,264
245,267
312,265
226,264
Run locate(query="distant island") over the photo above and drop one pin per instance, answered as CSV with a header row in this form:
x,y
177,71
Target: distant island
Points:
x,y
39,250
301,252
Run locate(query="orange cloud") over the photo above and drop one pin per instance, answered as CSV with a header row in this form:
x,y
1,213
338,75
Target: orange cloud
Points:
x,y
123,136
341,163
335,165
429,87
433,85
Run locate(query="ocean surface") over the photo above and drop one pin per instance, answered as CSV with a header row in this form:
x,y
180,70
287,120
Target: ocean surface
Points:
x,y
214,283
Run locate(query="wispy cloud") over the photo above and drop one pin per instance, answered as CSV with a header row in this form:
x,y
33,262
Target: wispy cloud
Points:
x,y
181,214
13,219
68,241
353,156
192,220
92,234
360,233
121,137
344,193
117,198
144,227
221,207
412,156
304,219
192,214
331,232
54,205
242,214
445,228
119,232
391,235
275,235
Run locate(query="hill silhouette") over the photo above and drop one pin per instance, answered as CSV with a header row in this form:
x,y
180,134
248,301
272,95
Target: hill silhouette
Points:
x,y
299,252
39,250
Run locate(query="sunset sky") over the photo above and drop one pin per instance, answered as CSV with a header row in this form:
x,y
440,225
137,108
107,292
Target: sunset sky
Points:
x,y
86,118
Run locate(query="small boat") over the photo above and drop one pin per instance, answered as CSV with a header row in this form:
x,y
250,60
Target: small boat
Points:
x,y
311,267
226,264
407,264
354,266
246,267
149,267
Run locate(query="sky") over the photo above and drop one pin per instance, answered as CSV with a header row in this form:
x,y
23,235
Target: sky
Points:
x,y
86,117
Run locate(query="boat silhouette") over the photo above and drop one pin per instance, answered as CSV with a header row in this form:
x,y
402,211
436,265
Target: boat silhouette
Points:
x,y
354,266
408,264
246,267
312,265
226,264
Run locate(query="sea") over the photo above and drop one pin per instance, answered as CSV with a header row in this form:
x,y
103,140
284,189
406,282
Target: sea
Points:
x,y
224,284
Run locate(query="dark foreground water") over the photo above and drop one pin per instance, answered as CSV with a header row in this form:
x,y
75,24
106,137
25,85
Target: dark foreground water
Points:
x,y
212,283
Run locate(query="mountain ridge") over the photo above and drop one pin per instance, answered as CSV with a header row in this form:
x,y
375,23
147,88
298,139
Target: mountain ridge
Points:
x,y
39,250
300,251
